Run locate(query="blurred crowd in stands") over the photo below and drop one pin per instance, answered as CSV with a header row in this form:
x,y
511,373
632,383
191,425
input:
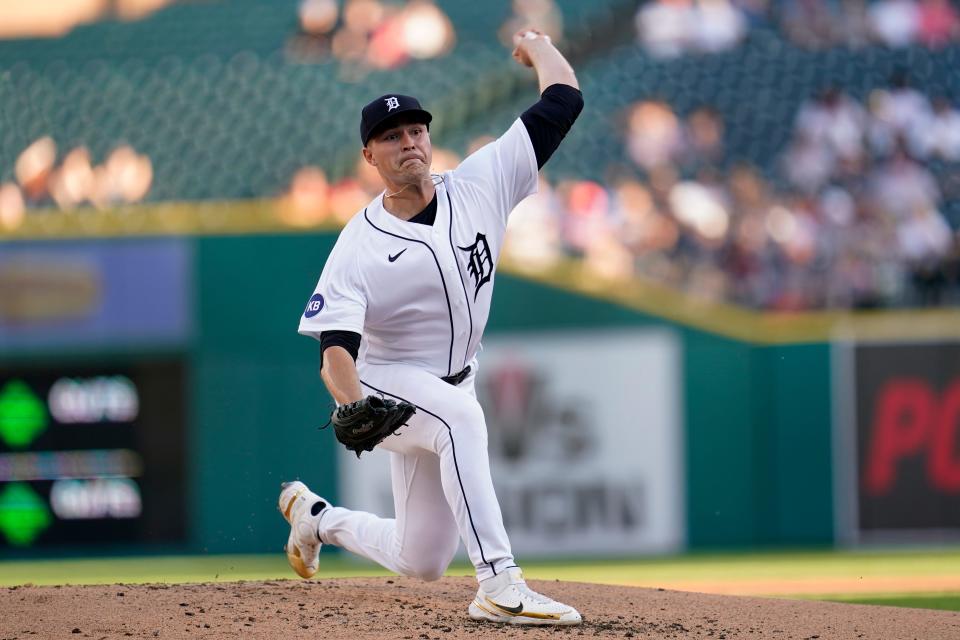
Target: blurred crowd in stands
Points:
x,y
851,217
124,177
369,34
864,173
373,34
819,24
668,28
859,210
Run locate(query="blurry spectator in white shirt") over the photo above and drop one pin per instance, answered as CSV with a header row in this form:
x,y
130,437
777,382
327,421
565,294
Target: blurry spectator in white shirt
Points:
x,y
807,164
718,26
665,27
894,23
925,237
901,186
939,136
899,113
835,121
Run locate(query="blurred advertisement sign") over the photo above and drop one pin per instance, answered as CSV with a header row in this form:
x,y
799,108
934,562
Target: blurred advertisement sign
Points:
x,y
585,442
92,454
95,293
37,289
907,440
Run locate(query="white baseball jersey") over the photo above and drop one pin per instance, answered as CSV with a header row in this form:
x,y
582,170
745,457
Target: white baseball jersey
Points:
x,y
418,294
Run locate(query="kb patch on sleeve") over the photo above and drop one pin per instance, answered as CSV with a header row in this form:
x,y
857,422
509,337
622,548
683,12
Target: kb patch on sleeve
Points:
x,y
313,306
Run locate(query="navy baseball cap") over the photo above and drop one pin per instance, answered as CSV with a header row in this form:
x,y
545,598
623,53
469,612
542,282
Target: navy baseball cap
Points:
x,y
385,108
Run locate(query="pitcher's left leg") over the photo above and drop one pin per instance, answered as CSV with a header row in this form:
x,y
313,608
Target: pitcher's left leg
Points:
x,y
458,434
468,487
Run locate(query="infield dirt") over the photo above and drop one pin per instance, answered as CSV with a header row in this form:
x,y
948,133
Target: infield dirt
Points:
x,y
360,608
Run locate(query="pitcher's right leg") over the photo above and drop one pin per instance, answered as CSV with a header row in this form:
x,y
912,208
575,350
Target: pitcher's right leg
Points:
x,y
450,422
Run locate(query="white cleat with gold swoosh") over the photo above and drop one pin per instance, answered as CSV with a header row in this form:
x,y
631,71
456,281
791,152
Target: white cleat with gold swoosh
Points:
x,y
507,598
302,509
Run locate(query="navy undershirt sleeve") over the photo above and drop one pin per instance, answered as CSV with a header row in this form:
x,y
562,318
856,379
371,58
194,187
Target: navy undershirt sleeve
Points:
x,y
349,340
549,120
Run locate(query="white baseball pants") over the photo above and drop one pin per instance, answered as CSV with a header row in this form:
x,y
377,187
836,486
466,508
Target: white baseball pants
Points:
x,y
442,489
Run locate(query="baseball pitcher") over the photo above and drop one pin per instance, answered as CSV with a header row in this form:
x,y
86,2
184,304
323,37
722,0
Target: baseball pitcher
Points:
x,y
399,310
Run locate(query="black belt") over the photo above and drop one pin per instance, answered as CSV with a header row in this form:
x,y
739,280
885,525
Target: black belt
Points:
x,y
458,377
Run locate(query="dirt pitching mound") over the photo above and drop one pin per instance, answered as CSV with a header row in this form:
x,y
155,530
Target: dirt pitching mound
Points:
x,y
413,610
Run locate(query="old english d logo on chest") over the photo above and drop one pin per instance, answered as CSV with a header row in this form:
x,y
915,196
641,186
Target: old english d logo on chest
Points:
x,y
479,262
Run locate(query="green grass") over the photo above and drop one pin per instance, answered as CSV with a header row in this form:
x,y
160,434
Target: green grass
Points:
x,y
942,601
170,569
758,565
727,567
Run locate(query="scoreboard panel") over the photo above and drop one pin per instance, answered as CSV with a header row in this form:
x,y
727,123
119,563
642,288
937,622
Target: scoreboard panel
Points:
x,y
93,454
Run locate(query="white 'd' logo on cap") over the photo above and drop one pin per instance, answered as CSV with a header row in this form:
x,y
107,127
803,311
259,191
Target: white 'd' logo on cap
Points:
x,y
392,103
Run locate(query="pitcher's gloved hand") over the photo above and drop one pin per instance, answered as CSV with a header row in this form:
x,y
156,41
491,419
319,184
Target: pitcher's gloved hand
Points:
x,y
362,425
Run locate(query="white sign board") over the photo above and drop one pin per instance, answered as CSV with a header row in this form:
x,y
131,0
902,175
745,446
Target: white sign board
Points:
x,y
585,440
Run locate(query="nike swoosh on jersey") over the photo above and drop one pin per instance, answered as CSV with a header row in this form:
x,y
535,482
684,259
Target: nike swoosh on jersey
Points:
x,y
394,258
517,610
